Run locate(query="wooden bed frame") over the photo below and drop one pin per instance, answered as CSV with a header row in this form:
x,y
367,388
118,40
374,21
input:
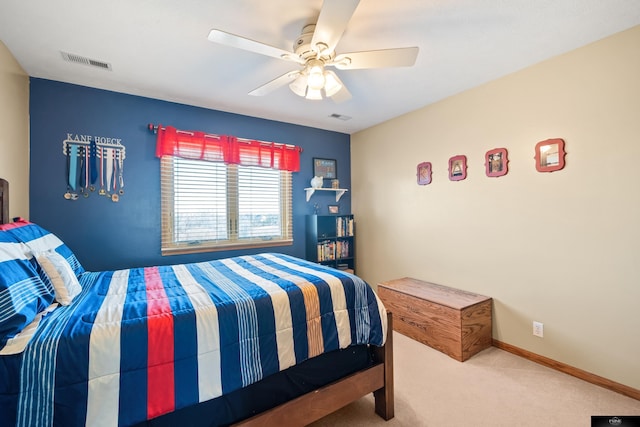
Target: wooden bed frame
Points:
x,y
310,407
319,403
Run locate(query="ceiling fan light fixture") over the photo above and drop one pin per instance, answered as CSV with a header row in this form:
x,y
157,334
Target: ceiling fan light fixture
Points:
x,y
299,85
316,81
332,84
315,71
314,94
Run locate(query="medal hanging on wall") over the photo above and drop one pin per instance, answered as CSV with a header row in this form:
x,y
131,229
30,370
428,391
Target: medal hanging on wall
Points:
x,y
114,194
84,171
72,164
93,167
109,170
67,152
102,191
121,172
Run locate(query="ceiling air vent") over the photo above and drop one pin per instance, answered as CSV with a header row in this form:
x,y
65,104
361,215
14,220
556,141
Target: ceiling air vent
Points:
x,y
70,57
340,117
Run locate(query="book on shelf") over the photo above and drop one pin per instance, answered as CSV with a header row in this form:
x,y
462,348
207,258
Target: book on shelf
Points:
x,y
326,250
330,250
343,249
344,226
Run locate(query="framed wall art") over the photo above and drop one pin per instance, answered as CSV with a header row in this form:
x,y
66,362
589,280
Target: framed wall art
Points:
x,y
496,162
326,168
424,173
458,168
550,155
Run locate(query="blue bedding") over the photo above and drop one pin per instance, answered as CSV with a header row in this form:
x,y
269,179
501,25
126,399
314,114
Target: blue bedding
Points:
x,y
142,342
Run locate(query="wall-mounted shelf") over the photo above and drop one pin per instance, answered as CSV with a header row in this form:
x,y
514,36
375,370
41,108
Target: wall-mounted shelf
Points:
x,y
339,191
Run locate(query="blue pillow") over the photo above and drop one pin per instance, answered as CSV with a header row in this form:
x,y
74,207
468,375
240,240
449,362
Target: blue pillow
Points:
x,y
40,240
23,294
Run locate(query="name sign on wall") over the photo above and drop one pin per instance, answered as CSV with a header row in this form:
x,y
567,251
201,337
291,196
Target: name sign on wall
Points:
x,y
94,163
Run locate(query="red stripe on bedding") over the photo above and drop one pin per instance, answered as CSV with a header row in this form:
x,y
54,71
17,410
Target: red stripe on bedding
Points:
x,y
160,372
19,222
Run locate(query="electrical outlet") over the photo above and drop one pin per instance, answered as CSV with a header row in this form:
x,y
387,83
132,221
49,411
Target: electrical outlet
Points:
x,y
538,329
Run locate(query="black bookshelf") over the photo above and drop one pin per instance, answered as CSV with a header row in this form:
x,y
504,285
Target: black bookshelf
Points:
x,y
331,241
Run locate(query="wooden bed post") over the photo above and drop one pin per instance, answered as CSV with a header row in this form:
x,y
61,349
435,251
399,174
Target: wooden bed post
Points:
x,y
384,397
4,201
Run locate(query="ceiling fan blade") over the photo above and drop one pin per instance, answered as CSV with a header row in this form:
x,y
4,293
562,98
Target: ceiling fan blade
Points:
x,y
400,57
333,19
228,39
275,83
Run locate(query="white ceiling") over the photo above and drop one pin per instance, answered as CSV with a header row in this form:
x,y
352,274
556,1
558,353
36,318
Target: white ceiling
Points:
x,y
159,48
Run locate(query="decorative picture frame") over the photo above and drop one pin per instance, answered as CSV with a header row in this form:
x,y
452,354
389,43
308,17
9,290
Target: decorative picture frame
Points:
x,y
334,209
458,168
550,155
496,162
423,173
326,168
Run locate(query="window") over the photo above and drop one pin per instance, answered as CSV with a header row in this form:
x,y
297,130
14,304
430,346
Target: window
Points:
x,y
209,206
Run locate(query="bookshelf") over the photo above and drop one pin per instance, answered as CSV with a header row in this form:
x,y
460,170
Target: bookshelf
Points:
x,y
331,241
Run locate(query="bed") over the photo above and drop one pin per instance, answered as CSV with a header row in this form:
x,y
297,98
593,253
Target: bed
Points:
x,y
266,339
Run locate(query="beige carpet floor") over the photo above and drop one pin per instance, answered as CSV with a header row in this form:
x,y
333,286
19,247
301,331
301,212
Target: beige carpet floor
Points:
x,y
493,388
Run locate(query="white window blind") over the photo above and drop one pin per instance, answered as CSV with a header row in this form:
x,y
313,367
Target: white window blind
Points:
x,y
209,206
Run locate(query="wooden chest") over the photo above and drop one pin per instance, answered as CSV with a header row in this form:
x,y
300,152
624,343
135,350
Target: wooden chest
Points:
x,y
455,322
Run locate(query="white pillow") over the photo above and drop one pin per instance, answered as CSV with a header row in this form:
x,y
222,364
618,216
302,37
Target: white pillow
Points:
x,y
61,274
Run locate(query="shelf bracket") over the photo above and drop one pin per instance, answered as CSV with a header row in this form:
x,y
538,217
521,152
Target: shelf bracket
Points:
x,y
310,192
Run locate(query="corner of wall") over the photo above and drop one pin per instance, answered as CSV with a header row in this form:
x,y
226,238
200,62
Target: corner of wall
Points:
x,y
14,139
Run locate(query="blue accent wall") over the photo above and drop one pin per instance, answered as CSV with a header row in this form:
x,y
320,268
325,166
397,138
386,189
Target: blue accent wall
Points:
x,y
106,235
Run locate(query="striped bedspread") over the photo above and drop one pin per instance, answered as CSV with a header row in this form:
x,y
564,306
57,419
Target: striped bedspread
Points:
x,y
138,343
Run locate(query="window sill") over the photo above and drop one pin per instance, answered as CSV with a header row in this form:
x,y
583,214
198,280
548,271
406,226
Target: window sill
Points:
x,y
187,249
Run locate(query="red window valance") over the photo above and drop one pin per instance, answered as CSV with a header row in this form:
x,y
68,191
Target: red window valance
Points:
x,y
227,149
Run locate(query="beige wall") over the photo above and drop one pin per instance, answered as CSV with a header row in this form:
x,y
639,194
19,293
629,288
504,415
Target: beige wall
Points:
x,y
14,132
562,248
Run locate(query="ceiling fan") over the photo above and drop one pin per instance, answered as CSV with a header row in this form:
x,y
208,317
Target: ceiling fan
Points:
x,y
314,50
